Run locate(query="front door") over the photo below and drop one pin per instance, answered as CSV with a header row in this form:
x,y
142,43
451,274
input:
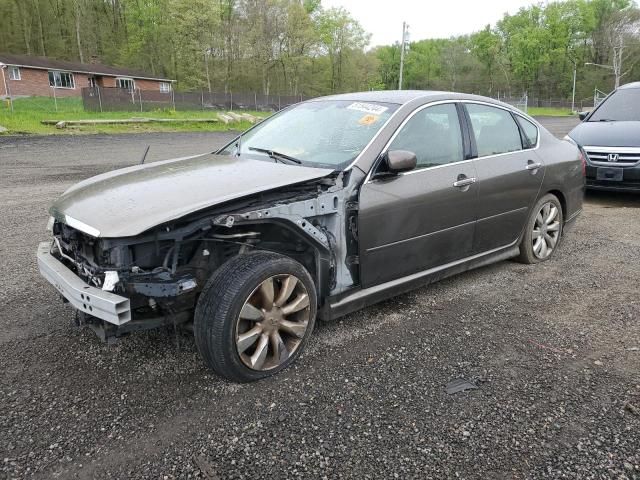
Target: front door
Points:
x,y
423,218
509,173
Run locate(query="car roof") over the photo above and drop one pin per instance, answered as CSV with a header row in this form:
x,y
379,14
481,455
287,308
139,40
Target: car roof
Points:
x,y
402,97
386,96
629,86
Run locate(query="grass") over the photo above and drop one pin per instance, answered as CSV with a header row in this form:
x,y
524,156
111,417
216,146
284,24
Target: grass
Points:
x,y
28,113
549,111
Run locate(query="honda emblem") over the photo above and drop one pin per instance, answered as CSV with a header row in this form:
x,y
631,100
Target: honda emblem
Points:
x,y
613,157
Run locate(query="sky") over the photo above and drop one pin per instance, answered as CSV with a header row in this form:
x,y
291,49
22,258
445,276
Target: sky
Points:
x,y
426,18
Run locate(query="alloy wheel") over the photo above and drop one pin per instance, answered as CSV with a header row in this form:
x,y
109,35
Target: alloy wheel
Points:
x,y
272,322
546,230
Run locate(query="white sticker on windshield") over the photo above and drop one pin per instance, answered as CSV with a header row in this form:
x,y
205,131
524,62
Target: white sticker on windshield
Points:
x,y
370,108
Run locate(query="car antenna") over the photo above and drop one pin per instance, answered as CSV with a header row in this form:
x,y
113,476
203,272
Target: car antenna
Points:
x,y
144,155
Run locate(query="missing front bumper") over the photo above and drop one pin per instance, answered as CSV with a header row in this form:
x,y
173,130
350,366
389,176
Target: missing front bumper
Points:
x,y
107,306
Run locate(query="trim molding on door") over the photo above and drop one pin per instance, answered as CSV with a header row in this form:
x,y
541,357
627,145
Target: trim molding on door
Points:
x,y
503,213
379,247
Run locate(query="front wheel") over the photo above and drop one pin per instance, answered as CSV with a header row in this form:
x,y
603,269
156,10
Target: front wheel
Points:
x,y
255,316
543,232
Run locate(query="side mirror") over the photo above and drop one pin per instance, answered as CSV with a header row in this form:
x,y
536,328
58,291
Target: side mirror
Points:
x,y
401,161
582,115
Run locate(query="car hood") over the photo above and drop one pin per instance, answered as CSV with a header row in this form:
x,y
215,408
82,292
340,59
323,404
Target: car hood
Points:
x,y
607,134
129,201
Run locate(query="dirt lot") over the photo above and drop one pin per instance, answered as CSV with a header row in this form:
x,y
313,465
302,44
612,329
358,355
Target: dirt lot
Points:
x,y
554,348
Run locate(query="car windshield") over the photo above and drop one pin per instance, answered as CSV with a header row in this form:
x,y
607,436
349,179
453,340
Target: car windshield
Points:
x,y
322,133
623,105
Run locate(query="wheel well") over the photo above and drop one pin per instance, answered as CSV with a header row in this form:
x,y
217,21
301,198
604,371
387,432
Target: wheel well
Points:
x,y
289,241
563,201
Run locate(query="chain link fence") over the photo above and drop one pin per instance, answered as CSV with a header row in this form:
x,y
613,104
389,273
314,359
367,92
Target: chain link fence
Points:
x,y
598,97
521,103
123,100
525,102
41,104
100,99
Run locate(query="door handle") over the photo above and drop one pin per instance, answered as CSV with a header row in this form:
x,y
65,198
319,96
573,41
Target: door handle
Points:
x,y
531,165
464,182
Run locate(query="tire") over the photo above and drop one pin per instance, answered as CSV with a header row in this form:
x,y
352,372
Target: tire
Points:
x,y
550,234
232,318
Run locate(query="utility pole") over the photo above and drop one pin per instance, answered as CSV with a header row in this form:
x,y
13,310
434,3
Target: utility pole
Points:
x,y
6,86
573,95
403,46
207,53
617,61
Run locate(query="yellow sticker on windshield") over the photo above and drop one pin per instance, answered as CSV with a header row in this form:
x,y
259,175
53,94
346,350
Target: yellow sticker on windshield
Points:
x,y
368,120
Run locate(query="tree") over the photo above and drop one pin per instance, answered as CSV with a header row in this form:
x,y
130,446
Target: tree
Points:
x,y
339,34
298,46
486,46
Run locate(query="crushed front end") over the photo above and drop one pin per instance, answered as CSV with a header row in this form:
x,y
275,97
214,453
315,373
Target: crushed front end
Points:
x,y
124,285
154,279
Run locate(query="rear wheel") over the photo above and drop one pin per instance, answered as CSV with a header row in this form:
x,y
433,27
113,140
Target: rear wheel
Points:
x,y
543,232
255,316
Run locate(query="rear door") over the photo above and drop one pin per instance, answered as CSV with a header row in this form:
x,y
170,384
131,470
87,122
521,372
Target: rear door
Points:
x,y
509,173
423,218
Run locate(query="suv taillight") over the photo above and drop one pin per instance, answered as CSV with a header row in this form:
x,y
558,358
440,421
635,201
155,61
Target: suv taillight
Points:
x,y
583,160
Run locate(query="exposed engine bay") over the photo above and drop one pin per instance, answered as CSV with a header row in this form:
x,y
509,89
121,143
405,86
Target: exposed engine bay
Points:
x,y
163,270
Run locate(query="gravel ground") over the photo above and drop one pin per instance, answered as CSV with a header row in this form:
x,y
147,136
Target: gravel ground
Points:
x,y
553,348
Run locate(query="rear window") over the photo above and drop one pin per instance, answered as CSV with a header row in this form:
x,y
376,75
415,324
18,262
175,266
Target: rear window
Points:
x,y
494,129
622,105
530,131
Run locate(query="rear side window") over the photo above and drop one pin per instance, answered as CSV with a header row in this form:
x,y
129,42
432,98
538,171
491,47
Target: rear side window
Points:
x,y
433,134
494,129
530,131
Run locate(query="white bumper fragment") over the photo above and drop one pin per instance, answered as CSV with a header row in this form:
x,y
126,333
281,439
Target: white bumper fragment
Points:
x,y
107,306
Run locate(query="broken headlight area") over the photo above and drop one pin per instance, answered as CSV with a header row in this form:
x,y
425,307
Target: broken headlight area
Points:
x,y
160,272
80,252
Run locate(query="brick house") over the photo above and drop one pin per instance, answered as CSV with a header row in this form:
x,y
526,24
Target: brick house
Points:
x,y
21,75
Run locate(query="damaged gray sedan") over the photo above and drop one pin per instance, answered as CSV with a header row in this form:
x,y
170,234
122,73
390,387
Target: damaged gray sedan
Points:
x,y
326,207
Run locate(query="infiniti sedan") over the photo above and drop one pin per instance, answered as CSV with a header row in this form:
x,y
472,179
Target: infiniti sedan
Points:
x,y
327,207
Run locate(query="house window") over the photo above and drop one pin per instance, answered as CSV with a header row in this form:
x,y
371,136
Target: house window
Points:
x,y
126,83
14,73
165,87
61,80
92,82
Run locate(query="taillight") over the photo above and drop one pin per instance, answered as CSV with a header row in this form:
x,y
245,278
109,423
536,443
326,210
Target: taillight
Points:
x,y
583,160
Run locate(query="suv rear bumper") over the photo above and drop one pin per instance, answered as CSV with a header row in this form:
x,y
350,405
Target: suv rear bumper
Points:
x,y
93,301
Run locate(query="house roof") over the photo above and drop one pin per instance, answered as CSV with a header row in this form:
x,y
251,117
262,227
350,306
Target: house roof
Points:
x,y
46,63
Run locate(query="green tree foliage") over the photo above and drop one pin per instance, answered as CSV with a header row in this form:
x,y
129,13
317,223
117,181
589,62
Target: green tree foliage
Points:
x,y
270,46
339,35
532,51
301,47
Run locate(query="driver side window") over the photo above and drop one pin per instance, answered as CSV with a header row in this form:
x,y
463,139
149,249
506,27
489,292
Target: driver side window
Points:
x,y
433,134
